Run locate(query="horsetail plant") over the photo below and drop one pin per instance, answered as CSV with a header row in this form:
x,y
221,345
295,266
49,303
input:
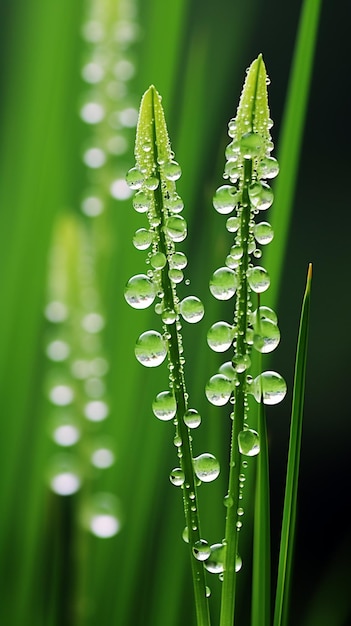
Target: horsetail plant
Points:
x,y
252,333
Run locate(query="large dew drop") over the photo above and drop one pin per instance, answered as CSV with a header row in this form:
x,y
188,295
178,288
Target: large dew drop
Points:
x,y
164,406
220,336
258,279
261,196
251,145
176,228
218,390
192,309
206,467
271,386
177,477
140,292
249,442
150,349
215,563
263,232
142,239
201,550
224,199
266,336
223,283
172,170
192,418
134,178
268,168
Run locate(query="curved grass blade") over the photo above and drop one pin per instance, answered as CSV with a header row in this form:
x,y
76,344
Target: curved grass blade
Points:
x,y
290,499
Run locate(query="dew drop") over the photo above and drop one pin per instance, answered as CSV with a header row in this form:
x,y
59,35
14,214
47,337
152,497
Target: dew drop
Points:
x,y
175,204
232,224
140,292
223,283
258,279
271,385
142,239
228,501
261,196
168,316
175,275
241,363
266,313
177,477
228,370
249,442
103,517
164,406
206,467
178,261
141,202
268,168
150,349
220,336
152,183
158,260
215,563
263,232
201,550
224,199
176,228
185,534
172,170
251,145
218,390
192,418
134,178
266,336
192,309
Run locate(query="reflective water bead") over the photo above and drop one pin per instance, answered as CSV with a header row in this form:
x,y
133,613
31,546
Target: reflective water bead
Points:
x,y
241,363
142,239
178,261
232,150
215,563
158,260
185,534
258,279
141,202
168,316
232,127
232,224
266,336
224,199
192,309
201,550
237,251
206,467
150,349
263,198
134,178
227,369
176,276
265,313
232,262
251,145
268,168
228,501
172,170
152,183
164,406
232,171
218,390
220,336
249,442
176,228
207,591
223,283
192,418
263,232
177,477
140,292
271,386
175,204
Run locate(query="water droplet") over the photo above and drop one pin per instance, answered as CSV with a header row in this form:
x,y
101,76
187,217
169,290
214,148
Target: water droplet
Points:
x,y
207,591
232,150
142,239
271,385
258,279
185,534
169,316
176,276
150,349
192,309
141,202
263,232
175,204
220,336
64,477
201,550
268,168
240,511
266,313
178,261
232,224
134,178
227,369
164,406
225,199
177,477
140,292
152,183
218,390
102,515
206,467
241,362
158,260
249,442
237,251
261,196
251,145
232,171
172,170
192,418
176,228
228,501
266,336
215,563
223,283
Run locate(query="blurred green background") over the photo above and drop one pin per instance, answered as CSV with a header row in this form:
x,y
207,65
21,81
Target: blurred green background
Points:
x,y
71,77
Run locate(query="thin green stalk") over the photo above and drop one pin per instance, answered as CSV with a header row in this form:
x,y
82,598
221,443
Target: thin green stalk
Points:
x,y
290,499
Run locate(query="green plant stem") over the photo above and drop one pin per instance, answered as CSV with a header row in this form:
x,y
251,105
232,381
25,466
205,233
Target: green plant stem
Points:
x,y
185,450
292,474
231,532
